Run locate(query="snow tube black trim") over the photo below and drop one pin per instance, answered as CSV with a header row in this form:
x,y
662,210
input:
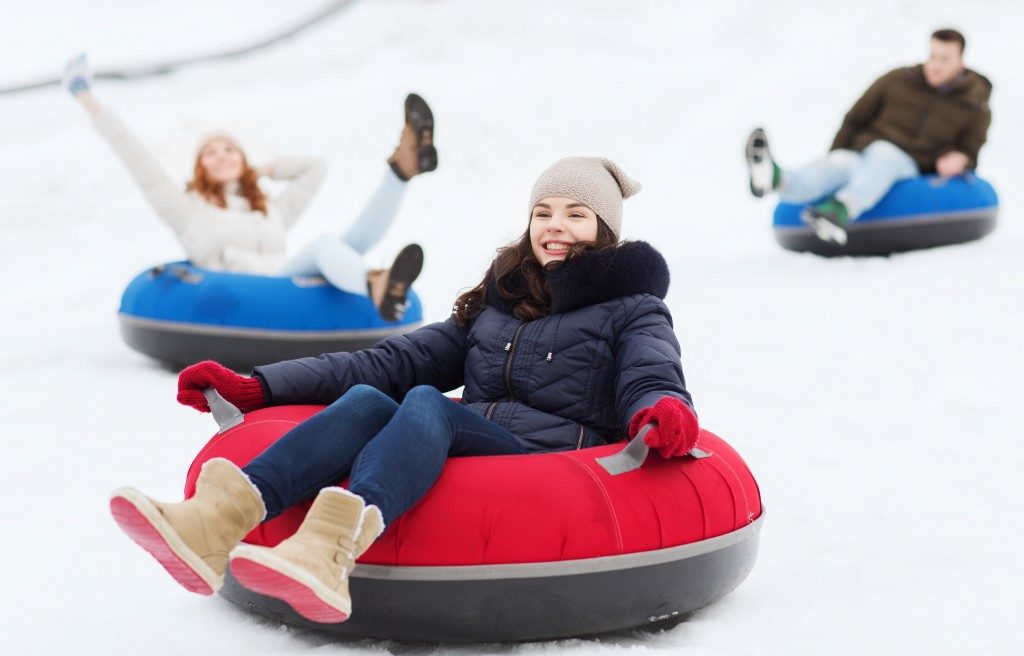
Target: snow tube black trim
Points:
x,y
885,237
539,601
180,344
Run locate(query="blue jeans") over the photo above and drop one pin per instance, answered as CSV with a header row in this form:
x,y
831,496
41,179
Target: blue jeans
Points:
x,y
858,180
392,453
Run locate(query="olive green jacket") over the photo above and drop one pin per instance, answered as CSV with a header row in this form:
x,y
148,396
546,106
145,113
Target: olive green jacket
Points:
x,y
925,122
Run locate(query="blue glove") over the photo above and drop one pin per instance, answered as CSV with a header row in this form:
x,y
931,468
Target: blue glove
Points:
x,y
77,75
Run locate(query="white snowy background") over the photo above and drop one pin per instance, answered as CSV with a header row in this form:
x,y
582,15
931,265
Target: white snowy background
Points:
x,y
878,401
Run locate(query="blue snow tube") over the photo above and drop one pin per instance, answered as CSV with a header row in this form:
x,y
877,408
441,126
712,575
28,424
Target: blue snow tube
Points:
x,y
181,314
922,212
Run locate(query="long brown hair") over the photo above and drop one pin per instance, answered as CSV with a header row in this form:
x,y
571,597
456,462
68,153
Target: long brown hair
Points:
x,y
531,300
213,192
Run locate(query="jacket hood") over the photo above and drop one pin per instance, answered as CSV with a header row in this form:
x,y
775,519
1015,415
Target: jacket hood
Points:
x,y
592,277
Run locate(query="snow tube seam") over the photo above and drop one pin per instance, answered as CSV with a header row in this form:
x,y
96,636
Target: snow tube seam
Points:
x,y
743,489
700,499
213,444
605,496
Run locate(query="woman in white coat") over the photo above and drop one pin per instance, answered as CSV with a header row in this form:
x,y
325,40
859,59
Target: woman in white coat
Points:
x,y
226,222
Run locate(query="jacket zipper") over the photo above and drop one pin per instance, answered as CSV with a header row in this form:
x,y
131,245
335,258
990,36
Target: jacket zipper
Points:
x,y
510,349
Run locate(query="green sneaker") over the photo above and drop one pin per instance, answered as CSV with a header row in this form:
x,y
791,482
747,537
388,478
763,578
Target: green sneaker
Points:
x,y
828,219
765,174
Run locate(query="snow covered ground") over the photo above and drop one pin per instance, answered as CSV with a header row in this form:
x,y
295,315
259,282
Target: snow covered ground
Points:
x,y
877,401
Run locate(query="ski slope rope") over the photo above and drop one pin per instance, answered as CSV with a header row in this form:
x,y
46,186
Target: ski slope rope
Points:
x,y
162,68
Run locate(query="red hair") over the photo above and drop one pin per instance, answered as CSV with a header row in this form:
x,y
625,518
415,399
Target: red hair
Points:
x,y
213,192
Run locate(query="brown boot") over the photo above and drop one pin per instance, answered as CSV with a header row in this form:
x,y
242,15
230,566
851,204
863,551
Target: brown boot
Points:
x,y
376,285
415,153
389,288
192,538
310,569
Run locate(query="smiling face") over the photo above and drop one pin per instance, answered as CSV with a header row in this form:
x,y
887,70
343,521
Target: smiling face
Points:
x,y
945,63
222,160
557,223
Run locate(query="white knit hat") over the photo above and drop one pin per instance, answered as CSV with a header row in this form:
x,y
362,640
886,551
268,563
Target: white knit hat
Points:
x,y
597,182
178,145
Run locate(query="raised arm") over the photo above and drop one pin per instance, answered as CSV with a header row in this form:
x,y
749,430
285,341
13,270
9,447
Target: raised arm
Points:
x,y
305,175
168,199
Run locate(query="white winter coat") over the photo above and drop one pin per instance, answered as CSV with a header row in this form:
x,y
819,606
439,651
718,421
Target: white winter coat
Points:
x,y
235,238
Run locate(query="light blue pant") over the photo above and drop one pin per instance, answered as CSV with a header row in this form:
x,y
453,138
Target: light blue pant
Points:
x,y
858,180
339,258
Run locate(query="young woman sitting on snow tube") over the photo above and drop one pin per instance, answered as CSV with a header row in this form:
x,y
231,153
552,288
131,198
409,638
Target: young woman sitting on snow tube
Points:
x,y
600,360
225,222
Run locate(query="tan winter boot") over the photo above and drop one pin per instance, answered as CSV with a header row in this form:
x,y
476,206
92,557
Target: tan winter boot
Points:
x,y
370,529
415,153
192,538
310,569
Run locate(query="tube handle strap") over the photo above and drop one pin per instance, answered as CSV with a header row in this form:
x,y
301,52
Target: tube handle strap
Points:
x,y
224,413
633,455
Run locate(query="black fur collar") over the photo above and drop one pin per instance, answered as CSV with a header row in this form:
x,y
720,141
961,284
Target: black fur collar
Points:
x,y
632,267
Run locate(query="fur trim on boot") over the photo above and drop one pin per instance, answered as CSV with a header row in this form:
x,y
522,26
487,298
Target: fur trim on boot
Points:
x,y
310,570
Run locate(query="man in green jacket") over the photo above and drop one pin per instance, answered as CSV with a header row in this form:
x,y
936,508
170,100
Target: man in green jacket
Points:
x,y
929,118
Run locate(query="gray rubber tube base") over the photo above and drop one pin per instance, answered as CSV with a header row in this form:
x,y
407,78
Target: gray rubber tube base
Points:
x,y
180,346
892,238
524,608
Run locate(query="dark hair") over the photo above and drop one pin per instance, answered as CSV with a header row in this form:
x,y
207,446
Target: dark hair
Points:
x,y
532,300
950,35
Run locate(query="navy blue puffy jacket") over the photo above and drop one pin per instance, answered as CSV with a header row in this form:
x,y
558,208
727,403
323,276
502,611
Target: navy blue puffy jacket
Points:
x,y
568,380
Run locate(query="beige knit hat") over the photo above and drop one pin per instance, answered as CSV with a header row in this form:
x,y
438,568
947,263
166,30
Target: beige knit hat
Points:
x,y
597,182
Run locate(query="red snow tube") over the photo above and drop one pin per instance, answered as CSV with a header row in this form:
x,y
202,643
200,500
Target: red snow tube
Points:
x,y
676,533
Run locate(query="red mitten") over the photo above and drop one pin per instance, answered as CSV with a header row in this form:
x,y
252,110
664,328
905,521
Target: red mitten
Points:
x,y
675,427
243,392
